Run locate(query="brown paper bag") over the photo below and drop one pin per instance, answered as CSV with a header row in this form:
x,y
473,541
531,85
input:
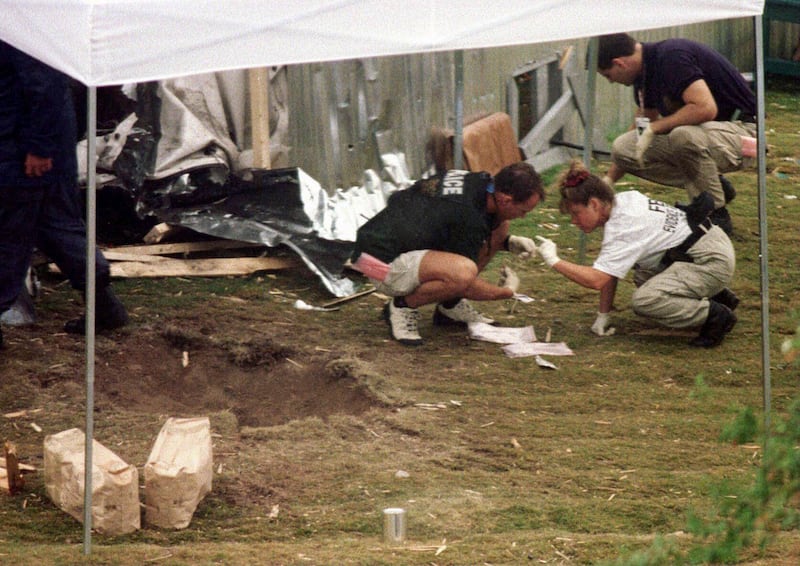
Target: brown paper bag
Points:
x,y
115,484
177,475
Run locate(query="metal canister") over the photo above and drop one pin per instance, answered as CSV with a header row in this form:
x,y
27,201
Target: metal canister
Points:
x,y
394,525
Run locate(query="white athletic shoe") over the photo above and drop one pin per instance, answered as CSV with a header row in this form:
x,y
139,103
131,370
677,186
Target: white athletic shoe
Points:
x,y
403,324
461,314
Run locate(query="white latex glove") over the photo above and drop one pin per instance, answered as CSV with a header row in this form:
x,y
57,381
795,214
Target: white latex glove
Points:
x,y
600,326
607,180
644,141
548,250
508,279
523,247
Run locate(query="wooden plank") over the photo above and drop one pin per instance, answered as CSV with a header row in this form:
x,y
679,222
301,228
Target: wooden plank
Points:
x,y
163,231
553,120
15,481
578,88
576,82
200,267
113,255
341,300
22,467
184,247
259,116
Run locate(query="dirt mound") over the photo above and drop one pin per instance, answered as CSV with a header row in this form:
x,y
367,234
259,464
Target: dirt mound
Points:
x,y
260,381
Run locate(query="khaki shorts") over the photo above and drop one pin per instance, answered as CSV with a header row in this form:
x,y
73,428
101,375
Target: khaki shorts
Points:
x,y
403,276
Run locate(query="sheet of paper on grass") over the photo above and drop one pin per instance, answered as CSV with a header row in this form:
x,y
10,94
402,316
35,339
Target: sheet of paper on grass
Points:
x,y
501,334
523,349
518,342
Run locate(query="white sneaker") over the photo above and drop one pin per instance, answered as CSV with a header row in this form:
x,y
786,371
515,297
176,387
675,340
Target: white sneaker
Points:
x,y
403,324
461,314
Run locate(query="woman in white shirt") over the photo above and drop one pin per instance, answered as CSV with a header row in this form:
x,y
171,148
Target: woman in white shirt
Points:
x,y
682,268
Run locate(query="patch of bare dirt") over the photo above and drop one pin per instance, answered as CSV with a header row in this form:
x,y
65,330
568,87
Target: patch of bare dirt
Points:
x,y
262,382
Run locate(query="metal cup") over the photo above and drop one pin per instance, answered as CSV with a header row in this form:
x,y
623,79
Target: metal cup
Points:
x,y
394,525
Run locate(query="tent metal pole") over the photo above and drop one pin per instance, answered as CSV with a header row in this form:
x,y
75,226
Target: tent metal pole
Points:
x,y
591,87
762,218
458,153
91,260
588,127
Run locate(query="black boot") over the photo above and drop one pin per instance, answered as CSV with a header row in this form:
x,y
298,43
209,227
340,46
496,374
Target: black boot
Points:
x,y
728,298
722,218
720,321
110,313
727,189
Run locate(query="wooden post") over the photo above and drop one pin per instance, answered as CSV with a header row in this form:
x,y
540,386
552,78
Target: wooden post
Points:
x,y
15,481
259,116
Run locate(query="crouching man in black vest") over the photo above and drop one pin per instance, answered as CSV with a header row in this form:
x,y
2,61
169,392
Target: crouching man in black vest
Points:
x,y
431,242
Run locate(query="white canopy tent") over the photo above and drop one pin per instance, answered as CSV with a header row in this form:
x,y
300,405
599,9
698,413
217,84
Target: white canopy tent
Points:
x,y
103,42
108,42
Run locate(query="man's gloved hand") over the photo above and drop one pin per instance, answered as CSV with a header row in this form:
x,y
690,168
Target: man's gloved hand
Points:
x,y
600,326
548,250
523,247
644,141
508,279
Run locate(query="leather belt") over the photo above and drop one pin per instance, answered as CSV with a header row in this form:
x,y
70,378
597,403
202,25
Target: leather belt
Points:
x,y
700,231
678,253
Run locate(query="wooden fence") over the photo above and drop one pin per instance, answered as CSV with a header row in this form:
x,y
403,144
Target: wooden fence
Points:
x,y
344,115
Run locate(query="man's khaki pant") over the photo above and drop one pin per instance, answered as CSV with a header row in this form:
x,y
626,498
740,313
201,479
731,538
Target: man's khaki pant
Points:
x,y
691,157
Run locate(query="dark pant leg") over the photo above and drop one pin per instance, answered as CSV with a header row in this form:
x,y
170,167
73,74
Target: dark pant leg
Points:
x,y
61,235
18,220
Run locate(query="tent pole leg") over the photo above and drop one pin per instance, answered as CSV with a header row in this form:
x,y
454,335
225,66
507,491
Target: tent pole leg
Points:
x,y
588,127
91,245
762,219
458,152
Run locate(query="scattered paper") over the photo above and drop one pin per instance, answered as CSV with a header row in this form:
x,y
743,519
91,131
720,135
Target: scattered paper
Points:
x,y
500,334
522,350
520,342
542,363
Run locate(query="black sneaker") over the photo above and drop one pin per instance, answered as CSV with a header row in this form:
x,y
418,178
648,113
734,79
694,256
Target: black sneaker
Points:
x,y
720,322
727,189
78,325
403,324
110,314
728,298
722,218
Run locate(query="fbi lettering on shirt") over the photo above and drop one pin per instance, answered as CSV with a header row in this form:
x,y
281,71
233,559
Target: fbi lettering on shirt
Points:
x,y
672,214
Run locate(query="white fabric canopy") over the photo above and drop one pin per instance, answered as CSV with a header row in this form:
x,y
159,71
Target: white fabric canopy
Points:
x,y
104,42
